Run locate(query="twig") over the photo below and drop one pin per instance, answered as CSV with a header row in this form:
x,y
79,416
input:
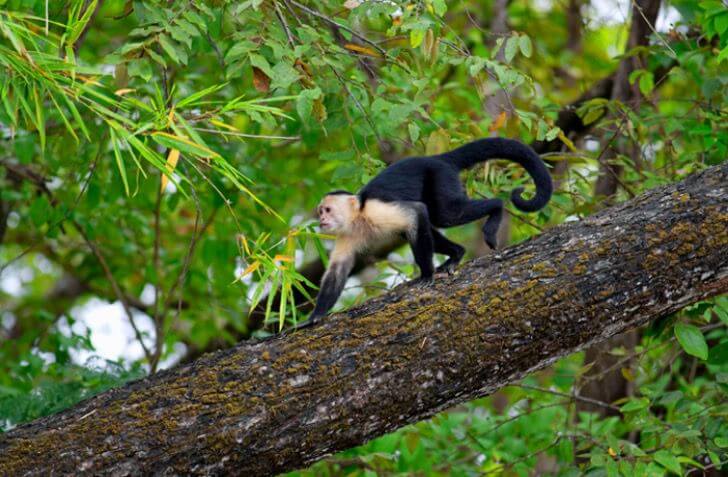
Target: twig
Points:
x,y
707,467
356,101
520,415
654,30
157,286
500,470
611,171
40,183
284,24
570,396
114,286
339,25
196,234
526,221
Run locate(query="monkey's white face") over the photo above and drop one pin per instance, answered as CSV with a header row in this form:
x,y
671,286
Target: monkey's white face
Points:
x,y
336,212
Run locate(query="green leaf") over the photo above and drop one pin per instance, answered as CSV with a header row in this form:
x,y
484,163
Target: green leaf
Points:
x,y
692,340
169,48
304,103
440,7
260,62
668,461
593,115
611,468
634,75
635,404
129,48
416,37
180,35
283,75
414,131
524,42
565,450
721,23
239,49
119,161
188,27
40,211
718,354
511,48
723,54
647,83
552,133
140,68
196,19
159,59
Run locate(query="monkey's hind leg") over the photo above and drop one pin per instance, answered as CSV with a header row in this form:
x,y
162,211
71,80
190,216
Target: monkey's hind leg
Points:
x,y
471,210
422,243
453,251
492,223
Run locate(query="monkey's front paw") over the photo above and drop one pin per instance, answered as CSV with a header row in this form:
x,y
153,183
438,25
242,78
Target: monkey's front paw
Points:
x,y
424,282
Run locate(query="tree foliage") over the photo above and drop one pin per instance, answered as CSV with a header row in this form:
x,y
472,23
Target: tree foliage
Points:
x,y
164,156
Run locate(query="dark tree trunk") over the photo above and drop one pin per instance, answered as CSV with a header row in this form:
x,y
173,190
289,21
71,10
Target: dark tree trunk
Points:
x,y
604,381
574,25
271,406
644,15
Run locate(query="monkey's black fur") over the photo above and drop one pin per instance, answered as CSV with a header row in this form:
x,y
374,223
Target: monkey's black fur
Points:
x,y
435,182
430,186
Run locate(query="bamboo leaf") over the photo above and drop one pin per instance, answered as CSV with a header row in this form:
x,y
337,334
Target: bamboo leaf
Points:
x,y
119,160
183,144
172,159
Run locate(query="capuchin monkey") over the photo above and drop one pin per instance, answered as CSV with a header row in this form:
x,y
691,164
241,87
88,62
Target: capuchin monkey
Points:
x,y
414,197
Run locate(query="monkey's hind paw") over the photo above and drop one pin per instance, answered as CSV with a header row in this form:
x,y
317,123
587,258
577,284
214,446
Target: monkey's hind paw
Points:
x,y
447,268
313,320
491,242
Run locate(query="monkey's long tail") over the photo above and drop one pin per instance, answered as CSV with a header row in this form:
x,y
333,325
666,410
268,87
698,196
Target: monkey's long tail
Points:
x,y
501,148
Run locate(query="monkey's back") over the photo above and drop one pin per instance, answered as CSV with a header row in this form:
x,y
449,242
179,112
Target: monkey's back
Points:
x,y
407,180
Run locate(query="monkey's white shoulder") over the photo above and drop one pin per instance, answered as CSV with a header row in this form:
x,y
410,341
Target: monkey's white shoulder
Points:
x,y
387,218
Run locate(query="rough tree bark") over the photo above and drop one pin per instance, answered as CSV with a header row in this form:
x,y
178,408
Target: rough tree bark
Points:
x,y
275,405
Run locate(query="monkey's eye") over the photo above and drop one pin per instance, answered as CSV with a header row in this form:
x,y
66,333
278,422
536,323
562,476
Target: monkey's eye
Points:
x,y
327,209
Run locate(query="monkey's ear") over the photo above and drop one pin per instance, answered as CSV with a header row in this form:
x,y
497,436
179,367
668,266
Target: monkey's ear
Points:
x,y
353,201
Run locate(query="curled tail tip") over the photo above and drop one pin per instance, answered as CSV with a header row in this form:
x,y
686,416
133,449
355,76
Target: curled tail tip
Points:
x,y
530,205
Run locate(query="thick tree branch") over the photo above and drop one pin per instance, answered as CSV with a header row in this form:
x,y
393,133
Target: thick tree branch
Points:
x,y
280,404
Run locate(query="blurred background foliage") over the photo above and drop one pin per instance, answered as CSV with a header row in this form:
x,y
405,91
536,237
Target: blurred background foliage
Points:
x,y
160,161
